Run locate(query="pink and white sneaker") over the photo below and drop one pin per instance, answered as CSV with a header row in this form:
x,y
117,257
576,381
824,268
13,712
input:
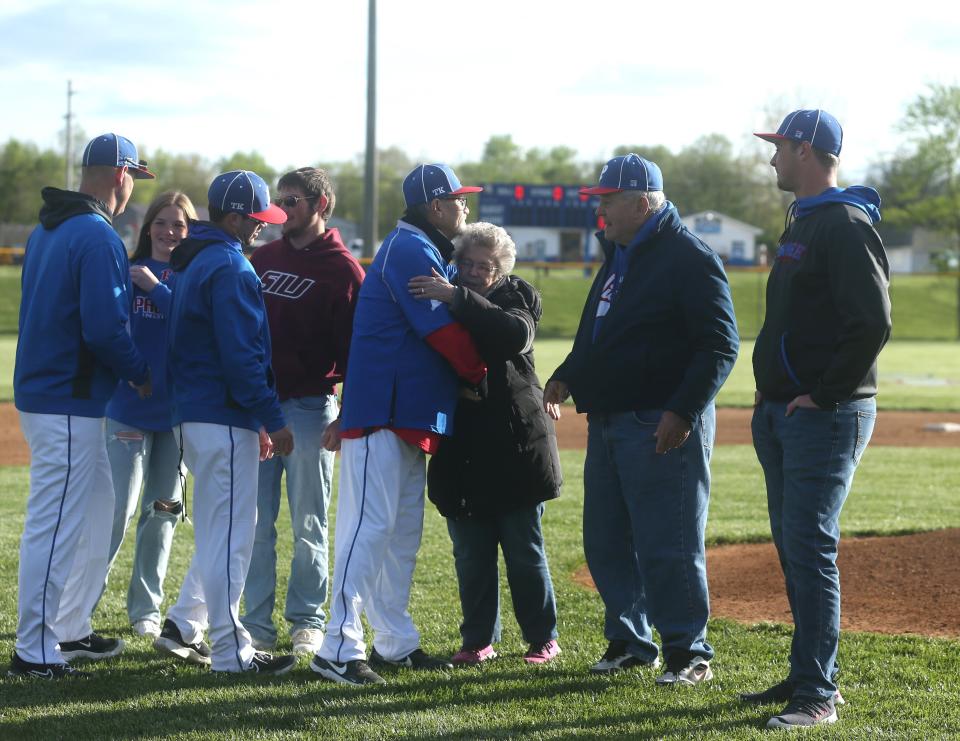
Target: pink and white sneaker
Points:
x,y
473,656
542,653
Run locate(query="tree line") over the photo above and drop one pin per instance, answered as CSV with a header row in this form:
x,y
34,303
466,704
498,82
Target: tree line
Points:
x,y
920,183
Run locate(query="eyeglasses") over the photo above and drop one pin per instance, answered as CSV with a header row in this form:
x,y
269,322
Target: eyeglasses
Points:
x,y
481,267
462,200
260,224
292,201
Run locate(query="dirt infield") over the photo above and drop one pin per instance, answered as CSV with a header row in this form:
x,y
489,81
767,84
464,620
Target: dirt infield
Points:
x,y
908,584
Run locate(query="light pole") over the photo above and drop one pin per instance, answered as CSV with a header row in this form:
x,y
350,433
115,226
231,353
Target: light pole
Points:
x,y
69,136
370,160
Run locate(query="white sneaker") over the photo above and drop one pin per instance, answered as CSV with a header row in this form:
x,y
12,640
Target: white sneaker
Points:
x,y
306,640
147,627
697,671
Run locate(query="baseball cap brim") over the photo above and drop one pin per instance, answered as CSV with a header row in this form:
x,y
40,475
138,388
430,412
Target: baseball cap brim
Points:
x,y
140,172
773,137
273,215
599,190
467,189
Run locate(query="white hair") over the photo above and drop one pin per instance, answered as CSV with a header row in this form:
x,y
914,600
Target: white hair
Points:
x,y
483,234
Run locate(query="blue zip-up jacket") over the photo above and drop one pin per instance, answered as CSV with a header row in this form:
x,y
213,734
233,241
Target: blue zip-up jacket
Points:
x,y
669,339
148,328
74,309
218,339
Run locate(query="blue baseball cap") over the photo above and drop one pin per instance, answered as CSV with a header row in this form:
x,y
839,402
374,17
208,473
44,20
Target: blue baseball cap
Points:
x,y
627,172
426,182
244,192
113,150
815,125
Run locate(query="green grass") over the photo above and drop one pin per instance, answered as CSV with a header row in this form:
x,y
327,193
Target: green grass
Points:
x,y
897,687
9,298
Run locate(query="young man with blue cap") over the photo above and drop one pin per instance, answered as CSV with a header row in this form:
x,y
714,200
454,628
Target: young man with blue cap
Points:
x,y
399,396
815,365
225,403
72,349
656,341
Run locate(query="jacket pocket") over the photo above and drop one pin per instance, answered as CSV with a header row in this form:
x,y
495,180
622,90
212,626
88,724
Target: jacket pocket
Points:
x,y
785,362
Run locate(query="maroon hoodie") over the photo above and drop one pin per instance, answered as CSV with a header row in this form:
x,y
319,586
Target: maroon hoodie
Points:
x,y
310,296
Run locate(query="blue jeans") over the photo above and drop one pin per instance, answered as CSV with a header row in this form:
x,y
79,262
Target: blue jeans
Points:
x,y
644,519
475,542
808,461
309,481
151,459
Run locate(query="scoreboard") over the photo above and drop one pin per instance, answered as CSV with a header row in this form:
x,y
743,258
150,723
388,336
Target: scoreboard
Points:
x,y
558,206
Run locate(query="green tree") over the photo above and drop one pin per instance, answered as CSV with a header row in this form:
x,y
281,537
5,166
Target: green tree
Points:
x,y
24,171
252,160
187,172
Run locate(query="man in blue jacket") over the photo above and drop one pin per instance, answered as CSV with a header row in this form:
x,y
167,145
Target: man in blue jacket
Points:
x,y
656,340
72,348
815,364
223,395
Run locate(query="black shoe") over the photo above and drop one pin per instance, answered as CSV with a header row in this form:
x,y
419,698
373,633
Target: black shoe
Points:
x,y
264,663
416,659
91,647
804,712
170,641
616,659
355,672
21,668
780,692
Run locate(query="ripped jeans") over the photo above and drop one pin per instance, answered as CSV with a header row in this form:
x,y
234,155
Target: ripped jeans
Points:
x,y
151,459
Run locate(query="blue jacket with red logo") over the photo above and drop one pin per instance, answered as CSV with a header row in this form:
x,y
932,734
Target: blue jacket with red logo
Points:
x,y
828,302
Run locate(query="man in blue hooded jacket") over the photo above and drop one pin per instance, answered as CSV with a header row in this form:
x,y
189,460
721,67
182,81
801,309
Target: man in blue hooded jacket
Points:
x,y
225,402
656,340
815,364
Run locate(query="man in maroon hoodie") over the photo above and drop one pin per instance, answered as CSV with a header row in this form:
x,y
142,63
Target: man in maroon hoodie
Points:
x,y
310,285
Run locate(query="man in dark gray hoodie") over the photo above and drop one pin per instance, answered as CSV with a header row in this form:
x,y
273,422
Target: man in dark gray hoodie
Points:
x,y
815,364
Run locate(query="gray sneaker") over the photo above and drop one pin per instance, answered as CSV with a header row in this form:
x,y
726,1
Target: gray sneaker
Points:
x,y
356,672
804,712
780,692
697,671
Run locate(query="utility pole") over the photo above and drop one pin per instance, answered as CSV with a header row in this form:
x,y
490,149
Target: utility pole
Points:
x,y
370,160
69,135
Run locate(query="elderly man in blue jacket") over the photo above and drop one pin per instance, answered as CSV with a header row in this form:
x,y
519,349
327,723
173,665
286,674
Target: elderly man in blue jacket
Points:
x,y
226,405
656,340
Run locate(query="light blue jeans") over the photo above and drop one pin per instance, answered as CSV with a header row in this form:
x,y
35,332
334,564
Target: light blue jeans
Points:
x,y
644,519
309,482
151,459
808,461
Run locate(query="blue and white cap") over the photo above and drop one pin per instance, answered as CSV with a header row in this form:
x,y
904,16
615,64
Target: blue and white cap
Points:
x,y
113,150
627,172
426,182
815,125
244,192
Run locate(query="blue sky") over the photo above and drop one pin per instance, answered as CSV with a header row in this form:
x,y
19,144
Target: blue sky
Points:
x,y
288,78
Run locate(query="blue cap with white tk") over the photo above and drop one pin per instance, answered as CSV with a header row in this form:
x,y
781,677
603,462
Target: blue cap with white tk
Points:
x,y
113,150
815,125
244,192
426,182
627,172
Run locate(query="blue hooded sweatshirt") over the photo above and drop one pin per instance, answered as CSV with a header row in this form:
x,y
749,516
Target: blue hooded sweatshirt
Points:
x,y
75,304
859,196
218,351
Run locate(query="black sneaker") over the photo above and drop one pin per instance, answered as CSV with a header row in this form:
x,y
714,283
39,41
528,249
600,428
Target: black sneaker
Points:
x,y
91,647
264,663
26,669
416,659
780,692
355,672
804,712
170,641
617,659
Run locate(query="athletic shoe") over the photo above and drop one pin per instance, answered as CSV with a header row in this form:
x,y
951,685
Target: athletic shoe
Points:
x,y
147,627
780,692
264,663
617,659
356,672
170,641
91,647
473,656
416,659
804,712
697,671
27,669
264,646
307,640
542,653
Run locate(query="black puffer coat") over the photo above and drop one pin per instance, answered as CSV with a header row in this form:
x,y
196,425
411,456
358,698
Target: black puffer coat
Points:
x,y
503,453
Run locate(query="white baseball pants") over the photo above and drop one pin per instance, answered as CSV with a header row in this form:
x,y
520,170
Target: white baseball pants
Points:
x,y
378,530
66,536
224,461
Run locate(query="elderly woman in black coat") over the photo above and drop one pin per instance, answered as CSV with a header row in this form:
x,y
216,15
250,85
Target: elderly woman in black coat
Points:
x,y
491,478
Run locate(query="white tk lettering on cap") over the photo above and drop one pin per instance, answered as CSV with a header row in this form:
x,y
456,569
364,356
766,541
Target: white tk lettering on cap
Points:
x,y
438,191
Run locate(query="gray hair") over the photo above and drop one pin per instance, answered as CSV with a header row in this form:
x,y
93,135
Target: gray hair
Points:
x,y
655,198
495,238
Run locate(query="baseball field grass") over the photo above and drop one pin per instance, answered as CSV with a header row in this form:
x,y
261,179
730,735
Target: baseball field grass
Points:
x,y
896,687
